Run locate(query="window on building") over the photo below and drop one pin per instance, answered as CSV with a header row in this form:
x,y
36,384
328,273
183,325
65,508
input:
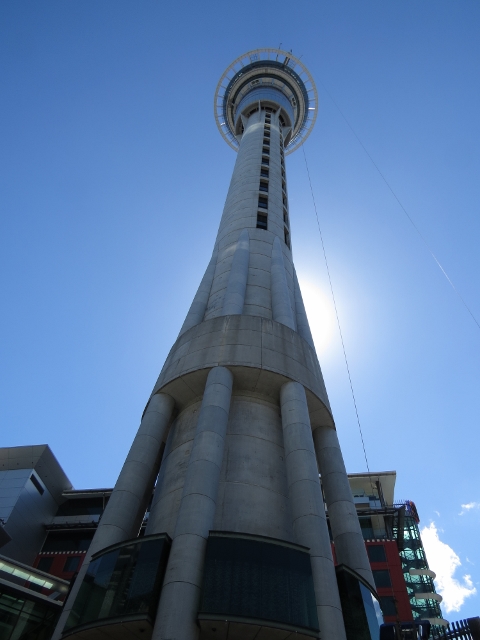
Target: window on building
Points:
x,y
37,485
71,564
67,541
387,605
376,553
284,186
264,172
82,507
382,578
265,160
261,221
287,237
266,150
263,186
263,202
285,217
45,564
367,529
266,133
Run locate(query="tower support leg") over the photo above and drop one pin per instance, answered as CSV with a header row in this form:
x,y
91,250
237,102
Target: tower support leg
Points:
x,y
307,508
347,535
180,597
126,507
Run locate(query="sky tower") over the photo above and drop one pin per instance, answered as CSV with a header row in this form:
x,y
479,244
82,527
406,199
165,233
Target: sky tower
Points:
x,y
236,430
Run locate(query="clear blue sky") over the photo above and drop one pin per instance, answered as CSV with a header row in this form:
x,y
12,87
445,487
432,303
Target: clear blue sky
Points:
x,y
113,178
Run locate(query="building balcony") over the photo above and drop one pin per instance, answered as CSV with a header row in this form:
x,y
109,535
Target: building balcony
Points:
x,y
425,595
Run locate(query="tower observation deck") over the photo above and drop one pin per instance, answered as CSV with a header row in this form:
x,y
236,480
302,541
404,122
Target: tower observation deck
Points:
x,y
236,430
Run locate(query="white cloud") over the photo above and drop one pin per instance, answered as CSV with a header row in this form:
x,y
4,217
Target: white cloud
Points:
x,y
468,507
444,561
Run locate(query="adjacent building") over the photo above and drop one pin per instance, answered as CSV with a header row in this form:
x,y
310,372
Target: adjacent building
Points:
x,y
63,522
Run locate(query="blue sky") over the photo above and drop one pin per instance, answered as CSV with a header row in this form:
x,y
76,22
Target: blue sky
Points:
x,y
113,178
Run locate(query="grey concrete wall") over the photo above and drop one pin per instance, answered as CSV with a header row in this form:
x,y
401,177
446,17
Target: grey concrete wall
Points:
x,y
307,508
240,212
234,298
169,489
347,535
252,495
177,611
198,307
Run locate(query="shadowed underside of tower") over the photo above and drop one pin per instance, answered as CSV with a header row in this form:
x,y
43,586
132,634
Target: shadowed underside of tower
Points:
x,y
237,429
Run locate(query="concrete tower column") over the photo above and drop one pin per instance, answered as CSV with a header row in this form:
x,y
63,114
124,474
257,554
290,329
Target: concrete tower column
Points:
x,y
306,504
281,305
199,305
237,279
347,534
179,601
126,507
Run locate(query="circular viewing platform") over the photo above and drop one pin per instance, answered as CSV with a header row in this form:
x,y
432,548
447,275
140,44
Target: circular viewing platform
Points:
x,y
269,79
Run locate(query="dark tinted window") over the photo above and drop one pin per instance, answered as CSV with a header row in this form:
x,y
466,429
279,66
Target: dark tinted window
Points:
x,y
81,507
367,529
261,221
263,202
376,553
37,485
45,564
263,186
387,605
68,541
71,564
382,578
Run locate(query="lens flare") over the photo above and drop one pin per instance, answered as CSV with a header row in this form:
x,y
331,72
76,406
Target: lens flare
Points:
x,y
320,312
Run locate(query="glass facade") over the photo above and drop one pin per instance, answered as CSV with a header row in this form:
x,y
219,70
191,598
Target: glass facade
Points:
x,y
24,619
122,581
258,579
412,556
361,612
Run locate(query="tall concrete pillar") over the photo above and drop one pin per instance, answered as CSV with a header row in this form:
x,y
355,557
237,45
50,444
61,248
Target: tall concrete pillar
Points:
x,y
176,617
306,504
281,304
126,507
347,534
237,279
199,305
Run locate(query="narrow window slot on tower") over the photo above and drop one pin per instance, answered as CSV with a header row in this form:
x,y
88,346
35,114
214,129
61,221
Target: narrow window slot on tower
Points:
x,y
266,150
285,217
287,237
264,172
266,142
263,186
263,202
261,221
265,160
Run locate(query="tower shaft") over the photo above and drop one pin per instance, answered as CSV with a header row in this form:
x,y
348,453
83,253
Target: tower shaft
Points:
x,y
242,408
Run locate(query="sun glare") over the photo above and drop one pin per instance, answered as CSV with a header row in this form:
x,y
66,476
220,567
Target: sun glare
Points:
x,y
320,312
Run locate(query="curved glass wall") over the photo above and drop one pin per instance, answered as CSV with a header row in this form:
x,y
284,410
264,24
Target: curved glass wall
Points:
x,y
122,582
258,579
265,93
361,611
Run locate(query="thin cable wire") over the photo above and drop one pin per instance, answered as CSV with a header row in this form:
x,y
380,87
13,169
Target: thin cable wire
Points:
x,y
403,209
337,316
